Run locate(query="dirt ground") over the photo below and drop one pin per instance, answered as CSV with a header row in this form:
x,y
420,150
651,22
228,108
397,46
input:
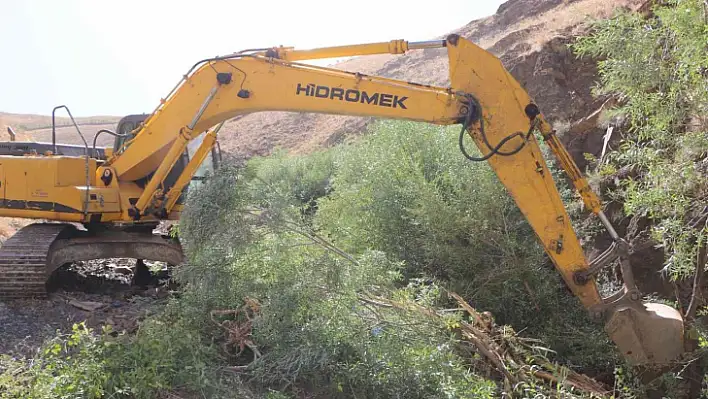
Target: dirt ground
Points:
x,y
98,292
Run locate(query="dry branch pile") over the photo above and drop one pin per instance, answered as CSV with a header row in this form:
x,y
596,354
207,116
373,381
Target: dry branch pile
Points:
x,y
507,357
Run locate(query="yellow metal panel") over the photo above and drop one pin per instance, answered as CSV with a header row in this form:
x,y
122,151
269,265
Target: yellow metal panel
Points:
x,y
2,182
524,174
40,179
108,195
277,85
15,177
71,171
31,188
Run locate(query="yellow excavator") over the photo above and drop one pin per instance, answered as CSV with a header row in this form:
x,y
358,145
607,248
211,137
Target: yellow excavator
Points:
x,y
94,203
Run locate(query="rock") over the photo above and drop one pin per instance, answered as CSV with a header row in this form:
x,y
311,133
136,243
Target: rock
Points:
x,y
124,270
86,305
142,275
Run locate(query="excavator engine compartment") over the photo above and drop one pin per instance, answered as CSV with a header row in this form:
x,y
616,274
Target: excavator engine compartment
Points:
x,y
41,186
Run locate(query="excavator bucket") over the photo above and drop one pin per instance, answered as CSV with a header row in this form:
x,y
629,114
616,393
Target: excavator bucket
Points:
x,y
647,334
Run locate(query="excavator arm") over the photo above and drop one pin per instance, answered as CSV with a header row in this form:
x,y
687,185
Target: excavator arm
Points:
x,y
483,97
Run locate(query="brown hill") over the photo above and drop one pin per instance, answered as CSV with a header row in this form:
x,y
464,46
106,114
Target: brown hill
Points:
x,y
529,36
39,128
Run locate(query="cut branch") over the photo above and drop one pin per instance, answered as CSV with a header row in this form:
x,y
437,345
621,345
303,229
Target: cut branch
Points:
x,y
499,348
696,296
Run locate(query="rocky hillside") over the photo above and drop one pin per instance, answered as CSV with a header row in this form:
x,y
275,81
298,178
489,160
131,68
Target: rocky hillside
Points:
x,y
529,36
39,128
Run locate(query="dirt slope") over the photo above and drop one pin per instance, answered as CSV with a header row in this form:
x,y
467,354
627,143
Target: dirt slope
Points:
x,y
528,35
39,128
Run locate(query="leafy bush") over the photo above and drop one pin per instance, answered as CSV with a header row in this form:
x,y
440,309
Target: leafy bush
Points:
x,y
164,356
656,68
69,366
406,190
311,329
283,252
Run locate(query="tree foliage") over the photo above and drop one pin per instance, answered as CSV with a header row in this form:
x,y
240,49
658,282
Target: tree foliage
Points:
x,y
399,207
657,67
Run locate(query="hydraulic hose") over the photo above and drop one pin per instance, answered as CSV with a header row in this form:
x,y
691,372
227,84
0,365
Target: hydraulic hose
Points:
x,y
474,105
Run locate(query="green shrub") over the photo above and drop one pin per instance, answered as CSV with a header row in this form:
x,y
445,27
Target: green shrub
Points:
x,y
301,240
68,366
656,67
164,356
311,329
406,190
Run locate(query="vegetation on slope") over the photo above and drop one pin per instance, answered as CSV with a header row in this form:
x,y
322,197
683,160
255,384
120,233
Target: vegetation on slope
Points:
x,y
656,68
317,273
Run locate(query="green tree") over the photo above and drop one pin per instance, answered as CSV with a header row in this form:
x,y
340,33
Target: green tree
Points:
x,y
657,68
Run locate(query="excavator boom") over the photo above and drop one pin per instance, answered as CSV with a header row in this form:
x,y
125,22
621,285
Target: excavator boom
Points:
x,y
139,183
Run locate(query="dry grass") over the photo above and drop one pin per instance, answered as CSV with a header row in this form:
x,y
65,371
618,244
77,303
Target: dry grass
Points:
x,y
29,127
68,135
574,15
8,226
30,122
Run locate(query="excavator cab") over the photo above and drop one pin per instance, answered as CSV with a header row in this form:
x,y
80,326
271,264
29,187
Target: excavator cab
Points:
x,y
129,125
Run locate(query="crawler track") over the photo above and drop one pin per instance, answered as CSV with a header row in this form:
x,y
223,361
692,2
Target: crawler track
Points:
x,y
23,260
28,258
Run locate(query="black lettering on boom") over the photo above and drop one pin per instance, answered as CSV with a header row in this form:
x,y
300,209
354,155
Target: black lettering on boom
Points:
x,y
336,92
322,92
351,95
370,100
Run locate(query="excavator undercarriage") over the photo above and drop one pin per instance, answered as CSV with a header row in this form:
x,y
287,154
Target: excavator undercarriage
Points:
x,y
28,258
